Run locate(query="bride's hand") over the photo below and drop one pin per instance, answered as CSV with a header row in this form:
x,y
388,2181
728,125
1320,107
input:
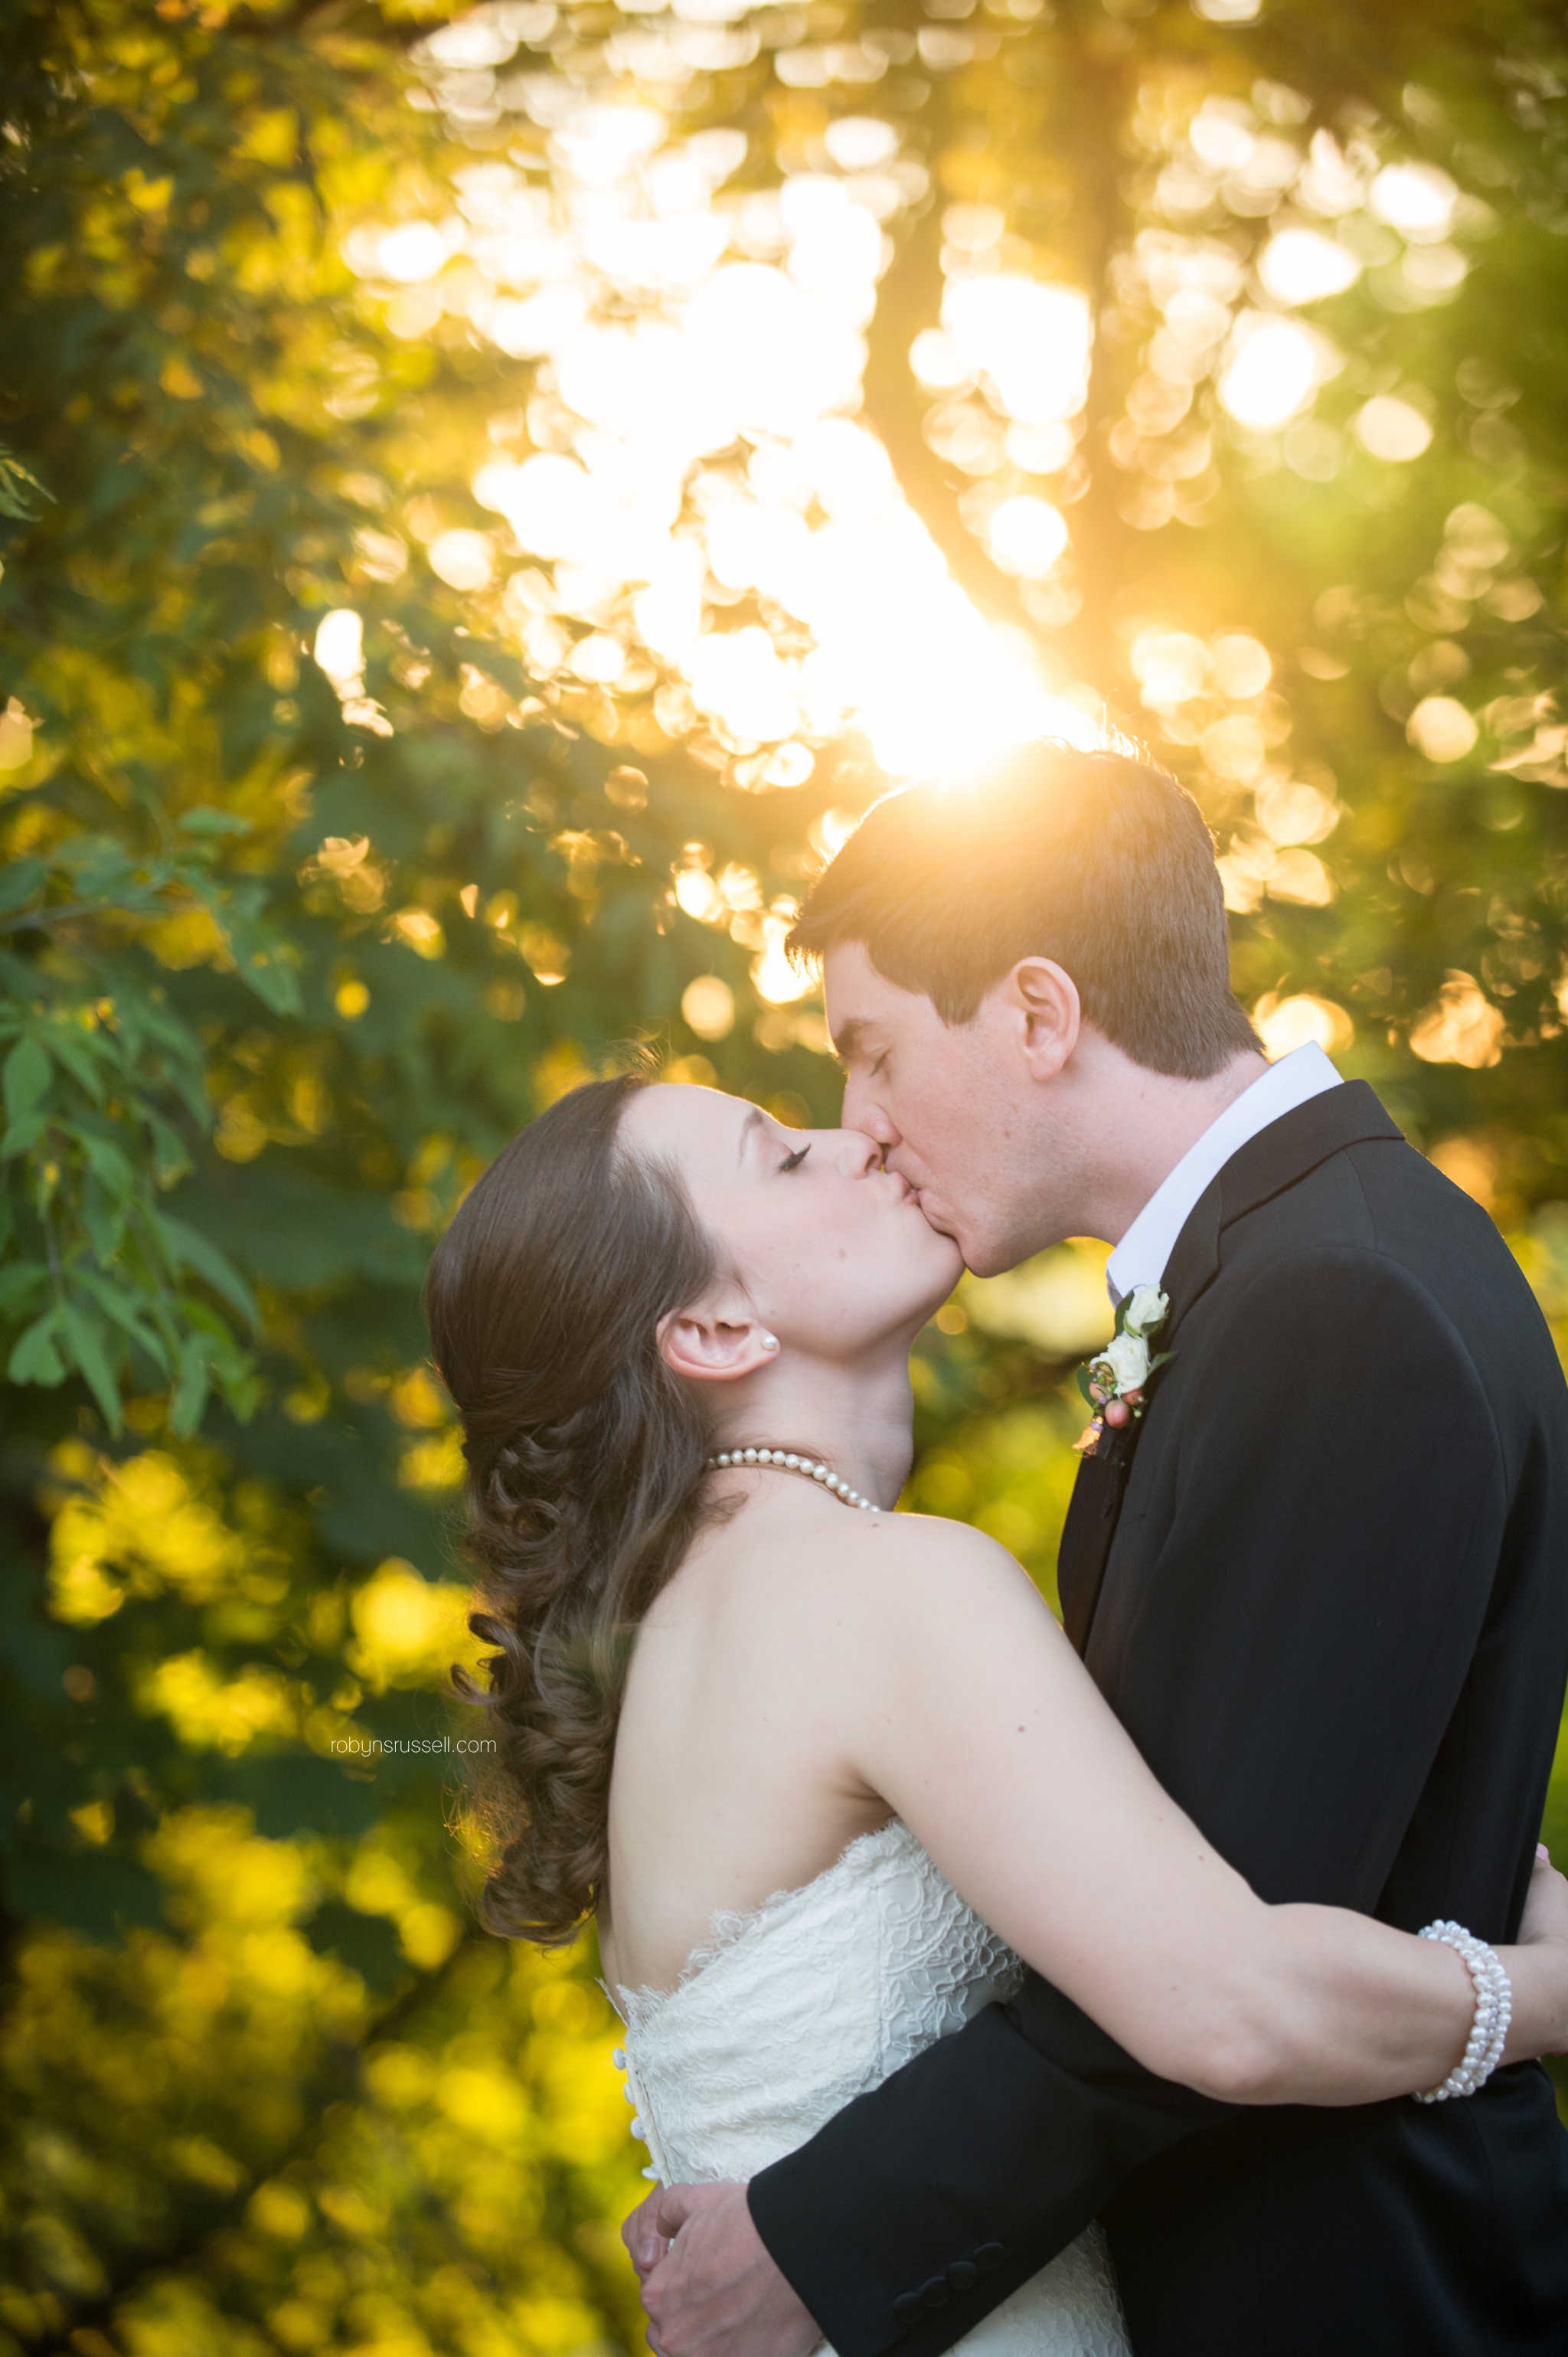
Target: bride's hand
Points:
x,y
1538,1967
1546,1908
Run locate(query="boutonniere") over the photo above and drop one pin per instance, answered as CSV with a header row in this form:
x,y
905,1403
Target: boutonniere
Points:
x,y
1116,1382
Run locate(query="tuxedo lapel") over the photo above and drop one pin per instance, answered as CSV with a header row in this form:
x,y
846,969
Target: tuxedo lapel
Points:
x,y
1194,1262
1278,1158
1091,1525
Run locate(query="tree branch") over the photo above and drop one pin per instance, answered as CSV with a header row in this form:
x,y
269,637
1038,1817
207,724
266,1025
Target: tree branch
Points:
x,y
909,299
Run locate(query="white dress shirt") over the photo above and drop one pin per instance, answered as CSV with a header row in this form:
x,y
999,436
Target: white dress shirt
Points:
x,y
1140,1256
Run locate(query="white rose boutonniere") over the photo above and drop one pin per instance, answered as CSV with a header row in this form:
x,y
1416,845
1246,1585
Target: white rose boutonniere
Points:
x,y
1145,1309
1126,1361
1115,1382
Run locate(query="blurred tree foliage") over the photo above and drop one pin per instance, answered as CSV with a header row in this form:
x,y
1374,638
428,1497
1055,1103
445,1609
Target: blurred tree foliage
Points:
x,y
337,845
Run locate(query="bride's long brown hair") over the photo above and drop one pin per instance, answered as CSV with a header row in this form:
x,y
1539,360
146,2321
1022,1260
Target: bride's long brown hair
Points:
x,y
586,1459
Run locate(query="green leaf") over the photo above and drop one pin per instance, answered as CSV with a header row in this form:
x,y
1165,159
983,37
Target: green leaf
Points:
x,y
21,881
190,1395
205,820
205,1321
86,1347
35,1359
20,489
20,1282
104,1222
171,1157
26,1076
22,1135
83,1054
265,968
110,1167
263,960
188,1248
126,1312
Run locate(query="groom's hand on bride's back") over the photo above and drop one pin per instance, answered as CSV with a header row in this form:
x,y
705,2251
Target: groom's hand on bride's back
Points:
x,y
708,2284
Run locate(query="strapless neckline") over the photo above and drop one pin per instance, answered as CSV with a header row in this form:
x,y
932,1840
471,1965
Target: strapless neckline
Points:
x,y
729,1928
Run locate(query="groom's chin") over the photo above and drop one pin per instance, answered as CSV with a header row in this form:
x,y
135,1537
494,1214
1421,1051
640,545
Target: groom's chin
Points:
x,y
982,1263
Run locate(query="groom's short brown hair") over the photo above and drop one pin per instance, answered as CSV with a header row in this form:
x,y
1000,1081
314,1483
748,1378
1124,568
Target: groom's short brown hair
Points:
x,y
1100,861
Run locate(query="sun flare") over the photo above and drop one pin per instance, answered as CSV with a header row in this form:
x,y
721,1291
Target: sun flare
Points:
x,y
697,361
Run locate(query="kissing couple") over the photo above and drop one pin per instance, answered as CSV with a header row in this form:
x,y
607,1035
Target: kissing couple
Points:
x,y
1169,1983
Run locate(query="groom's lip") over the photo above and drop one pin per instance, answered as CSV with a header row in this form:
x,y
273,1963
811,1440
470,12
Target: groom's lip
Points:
x,y
910,1192
930,1213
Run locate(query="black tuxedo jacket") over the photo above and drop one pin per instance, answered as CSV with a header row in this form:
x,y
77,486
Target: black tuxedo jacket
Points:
x,y
1325,1589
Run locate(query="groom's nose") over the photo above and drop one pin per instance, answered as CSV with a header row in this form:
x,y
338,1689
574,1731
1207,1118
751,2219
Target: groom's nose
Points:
x,y
862,1112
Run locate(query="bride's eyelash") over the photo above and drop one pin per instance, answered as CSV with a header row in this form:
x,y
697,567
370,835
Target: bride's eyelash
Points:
x,y
793,1161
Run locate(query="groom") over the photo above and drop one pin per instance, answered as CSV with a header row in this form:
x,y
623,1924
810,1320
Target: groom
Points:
x,y
1323,1582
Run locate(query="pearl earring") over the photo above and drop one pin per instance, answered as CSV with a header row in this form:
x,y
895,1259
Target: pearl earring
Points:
x,y
771,1341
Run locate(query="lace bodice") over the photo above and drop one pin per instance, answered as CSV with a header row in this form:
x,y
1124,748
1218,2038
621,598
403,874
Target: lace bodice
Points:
x,y
792,2010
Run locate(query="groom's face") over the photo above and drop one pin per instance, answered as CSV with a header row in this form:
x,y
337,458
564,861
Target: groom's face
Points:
x,y
949,1106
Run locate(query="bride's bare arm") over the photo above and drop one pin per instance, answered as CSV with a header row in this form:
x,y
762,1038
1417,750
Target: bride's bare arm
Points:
x,y
971,1715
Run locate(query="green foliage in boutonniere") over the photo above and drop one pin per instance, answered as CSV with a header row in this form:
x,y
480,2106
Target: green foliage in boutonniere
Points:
x,y
1115,1382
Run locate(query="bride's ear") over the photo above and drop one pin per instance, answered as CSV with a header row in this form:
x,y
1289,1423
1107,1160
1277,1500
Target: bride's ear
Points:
x,y
716,1340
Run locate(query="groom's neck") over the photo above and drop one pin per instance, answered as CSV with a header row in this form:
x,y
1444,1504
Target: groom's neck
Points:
x,y
1140,1123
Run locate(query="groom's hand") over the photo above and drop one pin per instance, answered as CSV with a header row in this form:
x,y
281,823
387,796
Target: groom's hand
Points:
x,y
708,2284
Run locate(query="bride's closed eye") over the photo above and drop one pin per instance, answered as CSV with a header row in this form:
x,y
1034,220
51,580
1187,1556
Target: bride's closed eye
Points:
x,y
793,1161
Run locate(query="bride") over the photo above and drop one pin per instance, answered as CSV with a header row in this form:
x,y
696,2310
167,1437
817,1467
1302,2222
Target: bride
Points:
x,y
825,1774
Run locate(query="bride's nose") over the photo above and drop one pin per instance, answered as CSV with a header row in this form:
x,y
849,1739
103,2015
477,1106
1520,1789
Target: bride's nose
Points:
x,y
858,1154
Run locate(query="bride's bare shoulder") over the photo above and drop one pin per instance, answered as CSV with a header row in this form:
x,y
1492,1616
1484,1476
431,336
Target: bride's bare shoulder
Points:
x,y
923,1555
811,1566
908,1597
859,1608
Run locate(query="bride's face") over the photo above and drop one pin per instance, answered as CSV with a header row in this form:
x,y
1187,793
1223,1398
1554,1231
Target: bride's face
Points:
x,y
830,1248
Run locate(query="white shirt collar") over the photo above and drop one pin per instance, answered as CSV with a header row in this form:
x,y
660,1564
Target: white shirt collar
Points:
x,y
1140,1256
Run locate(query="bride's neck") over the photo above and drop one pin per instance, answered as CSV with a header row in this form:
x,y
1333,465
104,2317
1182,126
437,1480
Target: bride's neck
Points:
x,y
857,1418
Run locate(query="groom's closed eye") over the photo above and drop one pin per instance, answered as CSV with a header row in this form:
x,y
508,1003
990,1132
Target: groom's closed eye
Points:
x,y
849,1044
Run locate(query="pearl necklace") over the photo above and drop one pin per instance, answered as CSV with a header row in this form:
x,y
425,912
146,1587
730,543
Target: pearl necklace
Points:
x,y
791,1463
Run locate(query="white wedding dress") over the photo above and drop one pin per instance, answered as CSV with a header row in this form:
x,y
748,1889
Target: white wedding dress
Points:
x,y
815,1996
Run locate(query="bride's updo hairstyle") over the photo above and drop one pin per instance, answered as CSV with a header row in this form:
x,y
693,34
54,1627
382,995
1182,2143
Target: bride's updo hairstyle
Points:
x,y
586,1459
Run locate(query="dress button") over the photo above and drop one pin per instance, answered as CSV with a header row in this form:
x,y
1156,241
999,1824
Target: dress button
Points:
x,y
907,2309
989,2256
619,2057
937,2293
963,2274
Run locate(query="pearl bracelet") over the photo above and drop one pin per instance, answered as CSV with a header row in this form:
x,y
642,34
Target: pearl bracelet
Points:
x,y
1494,2009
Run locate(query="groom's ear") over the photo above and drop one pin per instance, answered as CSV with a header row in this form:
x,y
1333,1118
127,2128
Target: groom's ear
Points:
x,y
715,1341
1043,1000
